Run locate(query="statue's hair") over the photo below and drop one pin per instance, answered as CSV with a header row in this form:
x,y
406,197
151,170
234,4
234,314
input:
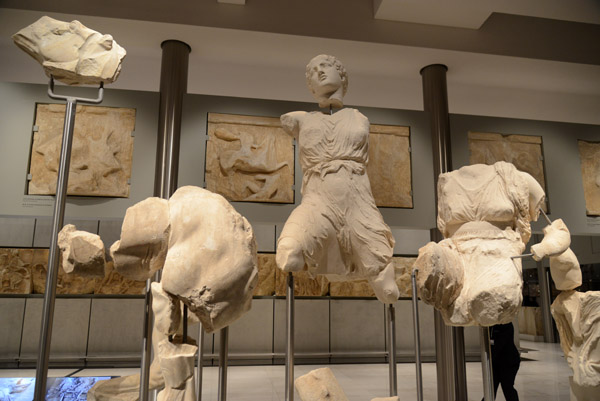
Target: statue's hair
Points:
x,y
337,64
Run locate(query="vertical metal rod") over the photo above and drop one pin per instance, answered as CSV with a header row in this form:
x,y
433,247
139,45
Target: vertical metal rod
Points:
x,y
200,362
173,85
52,277
546,302
223,351
289,331
415,301
185,324
486,364
391,333
460,366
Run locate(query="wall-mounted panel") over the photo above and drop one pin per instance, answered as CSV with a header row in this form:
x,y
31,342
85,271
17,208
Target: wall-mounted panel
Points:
x,y
11,312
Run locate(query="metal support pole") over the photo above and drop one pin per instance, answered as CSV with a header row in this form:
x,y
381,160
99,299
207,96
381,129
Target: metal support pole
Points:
x,y
546,301
415,301
289,331
391,340
223,351
173,85
200,362
57,224
486,364
450,358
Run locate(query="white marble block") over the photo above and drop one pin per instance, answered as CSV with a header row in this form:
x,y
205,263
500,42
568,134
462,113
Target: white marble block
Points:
x,y
319,385
82,252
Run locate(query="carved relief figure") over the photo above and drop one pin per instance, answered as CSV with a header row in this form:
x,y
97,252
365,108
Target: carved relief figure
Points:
x,y
337,230
249,159
101,155
71,52
589,153
484,213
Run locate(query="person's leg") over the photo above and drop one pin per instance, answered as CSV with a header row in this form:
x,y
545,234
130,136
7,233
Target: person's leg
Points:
x,y
508,386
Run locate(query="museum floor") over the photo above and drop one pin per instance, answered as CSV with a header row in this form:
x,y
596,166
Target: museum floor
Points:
x,y
543,376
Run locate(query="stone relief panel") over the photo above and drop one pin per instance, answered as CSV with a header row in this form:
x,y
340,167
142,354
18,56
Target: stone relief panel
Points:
x,y
249,159
362,288
524,151
304,284
101,154
589,153
266,274
389,167
24,271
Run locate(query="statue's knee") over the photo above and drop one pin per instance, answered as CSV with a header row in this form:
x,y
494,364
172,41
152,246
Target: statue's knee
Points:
x,y
289,256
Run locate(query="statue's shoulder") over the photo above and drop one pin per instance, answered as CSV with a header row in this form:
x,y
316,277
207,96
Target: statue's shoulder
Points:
x,y
290,121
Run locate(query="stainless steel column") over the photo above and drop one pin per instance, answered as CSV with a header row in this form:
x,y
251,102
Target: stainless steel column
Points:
x,y
450,359
41,373
200,362
289,331
391,340
223,355
544,282
486,364
173,85
417,335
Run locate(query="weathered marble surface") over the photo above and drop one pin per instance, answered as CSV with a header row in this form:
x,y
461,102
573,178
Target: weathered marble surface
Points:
x,y
66,283
389,166
319,385
577,316
395,398
304,284
82,252
470,276
565,271
211,260
523,151
15,271
337,229
266,274
249,159
557,239
589,153
362,288
71,52
101,154
142,248
177,367
114,283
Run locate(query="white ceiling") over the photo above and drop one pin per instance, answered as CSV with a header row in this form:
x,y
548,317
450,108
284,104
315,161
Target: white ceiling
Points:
x,y
242,63
473,13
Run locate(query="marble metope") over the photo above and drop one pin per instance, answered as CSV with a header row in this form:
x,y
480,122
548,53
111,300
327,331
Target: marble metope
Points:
x,y
23,271
362,288
266,274
523,151
389,167
589,153
71,52
305,285
101,155
249,159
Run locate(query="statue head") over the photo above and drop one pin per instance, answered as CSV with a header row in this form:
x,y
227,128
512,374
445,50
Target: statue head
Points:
x,y
327,80
71,52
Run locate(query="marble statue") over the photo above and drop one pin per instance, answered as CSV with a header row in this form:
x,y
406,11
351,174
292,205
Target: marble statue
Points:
x,y
208,257
71,52
337,229
484,214
577,316
82,252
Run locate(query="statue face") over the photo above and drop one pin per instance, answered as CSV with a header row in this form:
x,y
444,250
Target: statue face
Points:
x,y
324,78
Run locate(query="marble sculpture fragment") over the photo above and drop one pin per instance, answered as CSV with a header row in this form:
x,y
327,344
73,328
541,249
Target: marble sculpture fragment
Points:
x,y
484,214
319,385
82,252
177,367
337,229
71,52
577,316
557,239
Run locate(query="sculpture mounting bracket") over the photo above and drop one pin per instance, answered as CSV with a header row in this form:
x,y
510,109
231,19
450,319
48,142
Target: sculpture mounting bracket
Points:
x,y
73,99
